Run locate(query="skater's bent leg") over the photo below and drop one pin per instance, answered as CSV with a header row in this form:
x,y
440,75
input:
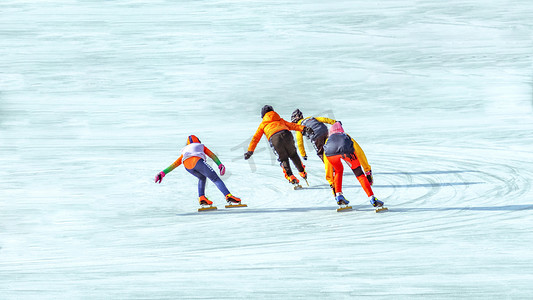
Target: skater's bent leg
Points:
x,y
201,181
365,184
319,146
292,153
277,142
338,169
208,172
201,186
297,162
286,167
358,171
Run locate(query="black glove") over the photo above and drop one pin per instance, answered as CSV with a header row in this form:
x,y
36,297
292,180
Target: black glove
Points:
x,y
369,177
305,157
248,154
308,131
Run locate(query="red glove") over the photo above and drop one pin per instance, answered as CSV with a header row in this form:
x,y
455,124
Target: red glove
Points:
x,y
222,169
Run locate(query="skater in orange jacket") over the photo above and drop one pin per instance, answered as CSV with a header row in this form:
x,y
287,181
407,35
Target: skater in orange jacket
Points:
x,y
193,157
281,140
338,147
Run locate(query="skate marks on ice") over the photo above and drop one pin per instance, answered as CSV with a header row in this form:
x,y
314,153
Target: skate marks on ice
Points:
x,y
473,208
413,185
353,208
262,210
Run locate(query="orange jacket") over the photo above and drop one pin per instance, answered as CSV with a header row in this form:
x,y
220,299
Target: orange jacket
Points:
x,y
271,124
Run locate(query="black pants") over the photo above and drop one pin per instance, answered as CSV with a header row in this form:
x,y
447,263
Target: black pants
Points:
x,y
319,145
282,143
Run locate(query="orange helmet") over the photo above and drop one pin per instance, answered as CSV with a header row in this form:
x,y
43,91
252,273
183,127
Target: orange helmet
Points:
x,y
192,139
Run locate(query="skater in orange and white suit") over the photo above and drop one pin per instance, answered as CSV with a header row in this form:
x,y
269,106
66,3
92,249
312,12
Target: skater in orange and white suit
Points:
x,y
338,147
193,157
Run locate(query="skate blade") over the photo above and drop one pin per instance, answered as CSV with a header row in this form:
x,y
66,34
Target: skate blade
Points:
x,y
298,187
381,209
344,208
207,208
236,205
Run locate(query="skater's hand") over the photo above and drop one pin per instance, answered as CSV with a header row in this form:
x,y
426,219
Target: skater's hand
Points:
x,y
308,131
369,177
305,157
222,169
248,154
159,177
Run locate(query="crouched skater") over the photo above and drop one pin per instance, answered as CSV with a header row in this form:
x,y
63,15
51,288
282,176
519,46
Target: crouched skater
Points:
x,y
281,141
338,147
193,158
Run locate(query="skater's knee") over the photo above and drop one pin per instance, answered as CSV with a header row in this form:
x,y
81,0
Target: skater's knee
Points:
x,y
358,171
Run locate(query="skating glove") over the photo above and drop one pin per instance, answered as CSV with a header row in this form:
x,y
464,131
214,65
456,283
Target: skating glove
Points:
x,y
248,154
308,131
369,177
332,186
305,157
222,169
159,177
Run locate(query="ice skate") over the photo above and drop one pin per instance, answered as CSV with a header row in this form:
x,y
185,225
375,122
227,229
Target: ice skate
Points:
x,y
295,182
375,202
378,204
303,174
234,201
292,179
204,202
342,202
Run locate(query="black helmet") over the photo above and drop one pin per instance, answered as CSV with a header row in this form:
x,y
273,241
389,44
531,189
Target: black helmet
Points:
x,y
266,109
296,116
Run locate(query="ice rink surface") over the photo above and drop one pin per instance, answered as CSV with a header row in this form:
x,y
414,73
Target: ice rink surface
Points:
x,y
97,97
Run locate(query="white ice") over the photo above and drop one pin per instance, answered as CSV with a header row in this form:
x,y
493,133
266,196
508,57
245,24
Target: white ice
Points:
x,y
96,97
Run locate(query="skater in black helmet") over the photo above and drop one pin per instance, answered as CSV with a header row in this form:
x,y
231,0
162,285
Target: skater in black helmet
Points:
x,y
319,135
281,140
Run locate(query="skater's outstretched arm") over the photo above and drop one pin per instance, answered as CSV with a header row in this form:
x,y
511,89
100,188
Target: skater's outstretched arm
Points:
x,y
361,156
325,120
300,142
160,175
256,138
293,126
329,170
212,155
174,165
